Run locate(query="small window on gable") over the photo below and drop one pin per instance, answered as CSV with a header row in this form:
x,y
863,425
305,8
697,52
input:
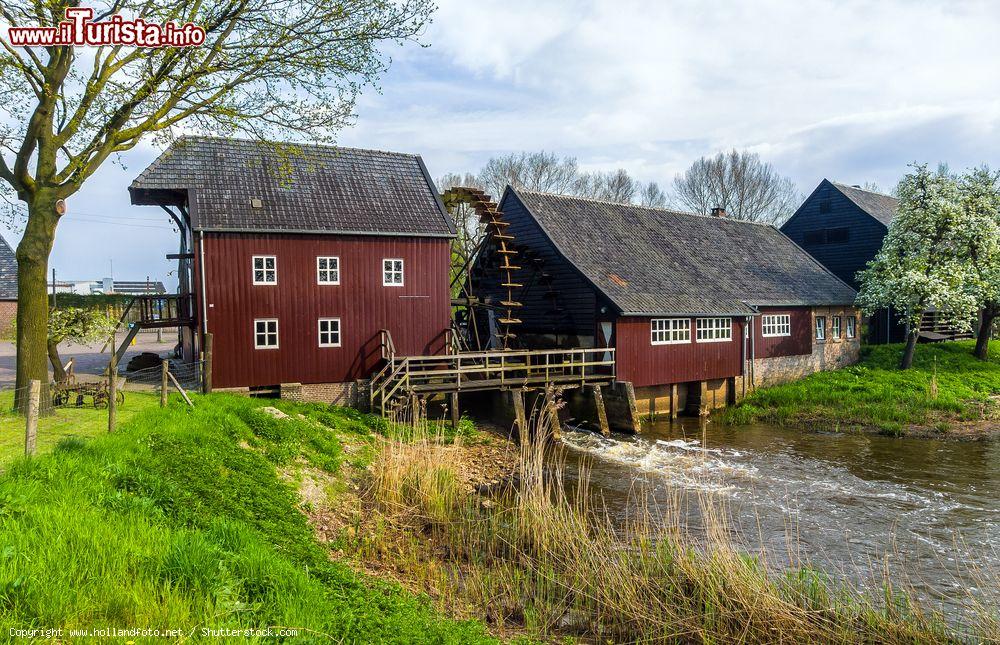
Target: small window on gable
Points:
x,y
327,270
824,205
392,272
820,327
852,327
668,331
835,327
776,325
714,330
265,269
265,333
329,332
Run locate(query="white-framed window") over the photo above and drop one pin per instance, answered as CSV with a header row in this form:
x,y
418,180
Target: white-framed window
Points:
x,y
835,323
265,269
667,331
852,327
265,333
329,332
820,327
776,325
392,272
327,270
714,330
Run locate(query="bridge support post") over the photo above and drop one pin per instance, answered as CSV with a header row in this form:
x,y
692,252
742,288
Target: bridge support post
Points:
x,y
520,419
455,414
555,423
674,402
602,413
633,408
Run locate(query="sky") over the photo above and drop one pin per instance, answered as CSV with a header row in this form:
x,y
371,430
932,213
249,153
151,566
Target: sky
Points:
x,y
850,91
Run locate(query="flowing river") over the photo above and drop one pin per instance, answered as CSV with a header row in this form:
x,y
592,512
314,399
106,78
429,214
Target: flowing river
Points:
x,y
851,505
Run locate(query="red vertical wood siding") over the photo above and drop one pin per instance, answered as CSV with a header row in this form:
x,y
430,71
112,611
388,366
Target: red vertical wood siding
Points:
x,y
643,363
416,314
800,342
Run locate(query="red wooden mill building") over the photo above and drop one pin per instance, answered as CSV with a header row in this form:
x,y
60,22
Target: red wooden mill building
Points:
x,y
674,295
324,273
296,259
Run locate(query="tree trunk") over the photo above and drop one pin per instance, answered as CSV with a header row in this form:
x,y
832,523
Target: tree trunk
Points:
x,y
911,346
982,350
58,373
32,299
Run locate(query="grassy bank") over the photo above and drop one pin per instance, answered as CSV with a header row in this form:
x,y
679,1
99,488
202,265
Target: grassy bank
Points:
x,y
190,520
946,391
542,559
68,422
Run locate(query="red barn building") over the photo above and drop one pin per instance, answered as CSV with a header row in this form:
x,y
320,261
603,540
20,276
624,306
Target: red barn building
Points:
x,y
675,294
297,257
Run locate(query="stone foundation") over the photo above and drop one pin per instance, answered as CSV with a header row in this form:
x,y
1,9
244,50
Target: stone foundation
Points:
x,y
826,355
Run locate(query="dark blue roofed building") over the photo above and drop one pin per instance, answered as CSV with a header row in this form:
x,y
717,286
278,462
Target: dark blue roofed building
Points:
x,y
842,227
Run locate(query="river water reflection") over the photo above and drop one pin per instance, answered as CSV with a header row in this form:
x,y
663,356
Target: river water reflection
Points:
x,y
928,509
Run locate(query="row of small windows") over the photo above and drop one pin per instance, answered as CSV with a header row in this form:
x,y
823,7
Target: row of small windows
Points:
x,y
837,327
265,270
266,333
672,331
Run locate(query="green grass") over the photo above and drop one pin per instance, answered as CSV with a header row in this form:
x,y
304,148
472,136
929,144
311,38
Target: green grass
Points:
x,y
64,423
181,520
876,394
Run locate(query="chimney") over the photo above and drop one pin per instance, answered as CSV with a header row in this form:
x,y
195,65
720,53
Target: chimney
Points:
x,y
718,211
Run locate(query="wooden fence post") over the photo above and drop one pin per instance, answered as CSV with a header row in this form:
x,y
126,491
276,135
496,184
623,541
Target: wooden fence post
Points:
x,y
112,393
206,376
164,383
31,425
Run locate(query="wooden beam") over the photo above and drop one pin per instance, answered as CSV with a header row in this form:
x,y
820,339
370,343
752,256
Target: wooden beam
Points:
x,y
520,419
602,413
633,408
456,417
555,423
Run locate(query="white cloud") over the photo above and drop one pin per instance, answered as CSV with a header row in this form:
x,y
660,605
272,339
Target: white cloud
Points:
x,y
847,89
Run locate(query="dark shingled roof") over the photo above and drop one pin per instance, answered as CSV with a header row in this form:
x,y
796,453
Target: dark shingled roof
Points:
x,y
8,272
302,188
657,262
881,207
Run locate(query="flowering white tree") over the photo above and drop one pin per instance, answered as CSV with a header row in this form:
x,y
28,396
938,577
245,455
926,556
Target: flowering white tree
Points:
x,y
922,264
980,190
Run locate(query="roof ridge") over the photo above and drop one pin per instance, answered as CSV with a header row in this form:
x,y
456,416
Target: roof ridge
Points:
x,y
840,184
306,144
598,200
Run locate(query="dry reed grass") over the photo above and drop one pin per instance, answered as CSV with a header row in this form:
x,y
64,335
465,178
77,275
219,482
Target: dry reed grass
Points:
x,y
540,557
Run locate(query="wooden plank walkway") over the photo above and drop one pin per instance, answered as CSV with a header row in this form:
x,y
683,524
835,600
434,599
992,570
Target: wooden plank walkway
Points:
x,y
403,377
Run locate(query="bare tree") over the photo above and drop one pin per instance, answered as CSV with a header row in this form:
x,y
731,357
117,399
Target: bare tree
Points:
x,y
652,195
266,67
613,186
542,171
739,181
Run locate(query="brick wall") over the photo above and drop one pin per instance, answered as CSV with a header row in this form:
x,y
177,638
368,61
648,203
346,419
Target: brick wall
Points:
x,y
8,309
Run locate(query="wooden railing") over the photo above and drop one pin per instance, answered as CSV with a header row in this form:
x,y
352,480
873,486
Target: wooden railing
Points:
x,y
477,371
161,311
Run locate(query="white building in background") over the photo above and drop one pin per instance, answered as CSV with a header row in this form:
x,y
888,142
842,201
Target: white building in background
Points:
x,y
108,286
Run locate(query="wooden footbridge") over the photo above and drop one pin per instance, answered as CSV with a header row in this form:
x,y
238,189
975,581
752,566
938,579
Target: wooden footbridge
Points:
x,y
426,376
